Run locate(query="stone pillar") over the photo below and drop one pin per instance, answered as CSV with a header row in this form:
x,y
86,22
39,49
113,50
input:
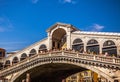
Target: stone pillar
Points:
x,y
49,41
118,47
85,45
100,48
27,77
68,39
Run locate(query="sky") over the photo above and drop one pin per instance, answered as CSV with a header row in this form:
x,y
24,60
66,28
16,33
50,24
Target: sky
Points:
x,y
24,22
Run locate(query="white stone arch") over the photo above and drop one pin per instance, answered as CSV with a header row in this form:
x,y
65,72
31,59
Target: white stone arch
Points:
x,y
92,68
92,50
21,56
113,40
92,39
77,38
78,45
51,33
32,51
15,57
44,45
115,45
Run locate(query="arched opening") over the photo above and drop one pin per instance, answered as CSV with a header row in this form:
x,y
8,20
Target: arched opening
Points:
x,y
7,63
57,72
23,56
92,46
110,48
42,48
15,60
59,39
78,45
32,52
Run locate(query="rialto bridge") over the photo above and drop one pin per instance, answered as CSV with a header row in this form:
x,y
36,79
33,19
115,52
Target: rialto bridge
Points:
x,y
66,51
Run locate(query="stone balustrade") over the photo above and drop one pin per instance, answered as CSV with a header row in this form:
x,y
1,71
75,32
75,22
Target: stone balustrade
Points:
x,y
56,54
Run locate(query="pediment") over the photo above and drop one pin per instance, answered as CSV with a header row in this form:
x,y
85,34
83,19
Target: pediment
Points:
x,y
62,24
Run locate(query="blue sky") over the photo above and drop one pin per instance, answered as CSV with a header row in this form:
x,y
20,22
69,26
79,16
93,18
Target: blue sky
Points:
x,y
23,22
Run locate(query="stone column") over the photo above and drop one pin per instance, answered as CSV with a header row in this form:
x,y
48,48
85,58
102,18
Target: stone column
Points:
x,y
100,48
27,77
49,41
68,38
118,51
85,44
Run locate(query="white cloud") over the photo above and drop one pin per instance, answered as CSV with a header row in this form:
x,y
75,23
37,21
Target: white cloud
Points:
x,y
5,24
35,1
95,27
68,1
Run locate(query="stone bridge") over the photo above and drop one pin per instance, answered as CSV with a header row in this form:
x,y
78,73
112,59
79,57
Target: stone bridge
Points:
x,y
62,64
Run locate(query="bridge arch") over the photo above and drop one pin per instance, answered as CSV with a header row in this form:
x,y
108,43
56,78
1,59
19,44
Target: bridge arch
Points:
x,y
15,60
23,56
92,46
109,47
42,47
78,45
59,38
7,63
63,61
32,52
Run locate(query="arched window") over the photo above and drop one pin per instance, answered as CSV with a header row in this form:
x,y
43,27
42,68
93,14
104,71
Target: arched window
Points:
x,y
23,56
110,48
32,52
7,63
92,46
78,45
108,43
42,47
92,42
15,60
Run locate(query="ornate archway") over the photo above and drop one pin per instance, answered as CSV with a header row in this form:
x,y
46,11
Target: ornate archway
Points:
x,y
23,56
78,45
15,60
92,46
32,52
110,48
42,47
59,39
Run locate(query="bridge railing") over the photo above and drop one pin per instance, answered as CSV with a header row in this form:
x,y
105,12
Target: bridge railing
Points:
x,y
85,56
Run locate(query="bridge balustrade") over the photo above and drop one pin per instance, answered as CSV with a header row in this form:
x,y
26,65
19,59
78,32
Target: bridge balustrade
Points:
x,y
117,60
86,56
73,54
111,60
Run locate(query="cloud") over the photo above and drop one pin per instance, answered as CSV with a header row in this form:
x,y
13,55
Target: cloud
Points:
x,y
35,1
68,1
95,27
5,24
